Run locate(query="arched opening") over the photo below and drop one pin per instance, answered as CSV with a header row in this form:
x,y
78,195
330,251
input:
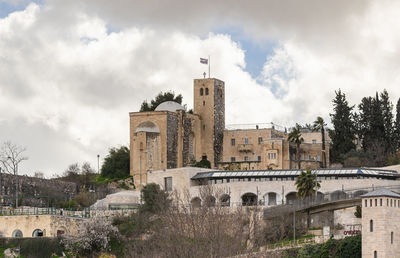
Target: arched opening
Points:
x,y
206,91
337,195
371,226
196,202
359,193
61,231
148,127
225,200
17,233
270,199
375,254
152,152
209,201
201,92
249,199
37,233
291,197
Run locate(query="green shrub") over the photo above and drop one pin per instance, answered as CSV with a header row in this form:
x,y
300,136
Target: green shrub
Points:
x,y
349,247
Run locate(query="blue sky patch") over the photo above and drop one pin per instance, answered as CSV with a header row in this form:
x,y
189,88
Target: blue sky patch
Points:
x,y
256,52
7,8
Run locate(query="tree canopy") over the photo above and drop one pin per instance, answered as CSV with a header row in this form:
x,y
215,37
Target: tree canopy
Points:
x,y
116,163
155,199
306,184
160,98
319,126
295,137
343,132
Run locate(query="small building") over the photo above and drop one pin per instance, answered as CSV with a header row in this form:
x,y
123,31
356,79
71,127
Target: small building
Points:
x,y
381,224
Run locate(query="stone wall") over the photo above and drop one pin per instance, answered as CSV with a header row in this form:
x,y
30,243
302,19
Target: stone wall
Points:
x,y
385,219
219,120
48,224
35,191
172,140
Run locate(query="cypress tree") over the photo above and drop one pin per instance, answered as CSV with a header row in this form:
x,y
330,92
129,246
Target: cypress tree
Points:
x,y
387,116
342,135
397,126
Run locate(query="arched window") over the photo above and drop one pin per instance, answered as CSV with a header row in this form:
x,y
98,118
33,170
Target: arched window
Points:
x,y
201,91
375,254
371,226
206,91
17,233
391,237
37,233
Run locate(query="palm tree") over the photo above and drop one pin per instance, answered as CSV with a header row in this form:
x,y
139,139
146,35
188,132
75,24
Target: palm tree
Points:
x,y
319,125
295,137
306,184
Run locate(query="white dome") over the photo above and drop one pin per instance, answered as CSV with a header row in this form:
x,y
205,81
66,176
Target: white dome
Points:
x,y
171,106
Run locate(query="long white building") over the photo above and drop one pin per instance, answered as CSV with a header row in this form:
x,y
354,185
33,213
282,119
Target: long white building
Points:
x,y
267,187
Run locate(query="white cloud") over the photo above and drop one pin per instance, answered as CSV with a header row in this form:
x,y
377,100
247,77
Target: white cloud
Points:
x,y
68,81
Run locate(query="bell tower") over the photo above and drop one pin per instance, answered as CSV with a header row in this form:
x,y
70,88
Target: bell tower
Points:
x,y
209,103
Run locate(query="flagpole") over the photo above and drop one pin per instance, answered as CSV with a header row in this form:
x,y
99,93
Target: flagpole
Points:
x,y
209,64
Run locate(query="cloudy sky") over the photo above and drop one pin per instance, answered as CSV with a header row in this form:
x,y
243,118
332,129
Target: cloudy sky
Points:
x,y
71,71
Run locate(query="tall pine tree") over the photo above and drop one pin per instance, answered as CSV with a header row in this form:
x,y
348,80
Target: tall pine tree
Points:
x,y
397,126
342,135
387,115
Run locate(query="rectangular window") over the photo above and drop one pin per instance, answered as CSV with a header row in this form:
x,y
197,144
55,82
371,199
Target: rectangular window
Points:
x,y
391,202
233,159
168,183
391,237
232,142
366,203
246,140
314,141
274,155
259,158
380,202
246,158
376,202
260,140
370,202
387,202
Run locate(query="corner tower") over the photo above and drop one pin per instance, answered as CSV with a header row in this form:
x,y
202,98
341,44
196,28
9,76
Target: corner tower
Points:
x,y
209,103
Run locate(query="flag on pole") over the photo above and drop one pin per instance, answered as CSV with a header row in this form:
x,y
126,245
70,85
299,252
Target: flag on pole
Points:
x,y
204,60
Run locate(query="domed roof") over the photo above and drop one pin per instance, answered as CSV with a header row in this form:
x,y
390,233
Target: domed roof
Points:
x,y
171,106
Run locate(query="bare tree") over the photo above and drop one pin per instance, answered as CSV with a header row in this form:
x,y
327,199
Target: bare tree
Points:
x,y
11,155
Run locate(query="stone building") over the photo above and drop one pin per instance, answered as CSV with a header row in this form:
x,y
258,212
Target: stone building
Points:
x,y
381,224
170,137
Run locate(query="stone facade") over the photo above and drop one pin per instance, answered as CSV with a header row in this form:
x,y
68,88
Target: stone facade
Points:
x,y
268,148
50,225
169,138
381,226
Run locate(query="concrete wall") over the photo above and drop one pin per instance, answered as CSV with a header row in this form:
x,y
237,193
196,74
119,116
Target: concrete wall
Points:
x,y
49,224
386,219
